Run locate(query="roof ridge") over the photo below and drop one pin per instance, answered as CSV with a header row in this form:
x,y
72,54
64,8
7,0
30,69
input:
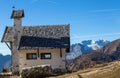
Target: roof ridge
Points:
x,y
47,25
44,25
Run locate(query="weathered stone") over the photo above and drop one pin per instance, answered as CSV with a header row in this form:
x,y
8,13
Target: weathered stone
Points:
x,y
36,71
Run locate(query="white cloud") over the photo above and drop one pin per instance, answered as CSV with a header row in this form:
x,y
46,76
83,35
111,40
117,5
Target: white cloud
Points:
x,y
34,1
49,1
5,52
4,49
105,10
95,35
53,2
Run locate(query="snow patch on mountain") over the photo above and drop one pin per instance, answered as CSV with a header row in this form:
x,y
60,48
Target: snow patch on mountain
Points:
x,y
84,47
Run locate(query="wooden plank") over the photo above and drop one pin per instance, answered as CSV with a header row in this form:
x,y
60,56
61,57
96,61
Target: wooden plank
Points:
x,y
60,52
8,46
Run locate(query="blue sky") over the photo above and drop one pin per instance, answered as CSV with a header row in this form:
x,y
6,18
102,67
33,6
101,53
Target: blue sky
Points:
x,y
89,19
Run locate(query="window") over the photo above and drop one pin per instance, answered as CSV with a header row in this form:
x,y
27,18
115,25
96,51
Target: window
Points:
x,y
67,49
45,55
31,56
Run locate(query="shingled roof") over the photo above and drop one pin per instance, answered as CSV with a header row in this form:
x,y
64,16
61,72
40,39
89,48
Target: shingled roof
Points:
x,y
46,36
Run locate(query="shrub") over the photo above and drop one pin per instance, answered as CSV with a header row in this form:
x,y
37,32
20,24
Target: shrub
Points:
x,y
4,70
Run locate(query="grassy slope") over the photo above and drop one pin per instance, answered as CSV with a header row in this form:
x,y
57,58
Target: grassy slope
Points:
x,y
107,70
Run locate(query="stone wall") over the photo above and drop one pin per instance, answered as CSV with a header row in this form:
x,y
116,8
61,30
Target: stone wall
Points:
x,y
56,60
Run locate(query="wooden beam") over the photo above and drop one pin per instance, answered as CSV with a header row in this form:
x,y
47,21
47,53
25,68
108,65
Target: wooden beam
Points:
x,y
11,43
8,46
60,52
38,52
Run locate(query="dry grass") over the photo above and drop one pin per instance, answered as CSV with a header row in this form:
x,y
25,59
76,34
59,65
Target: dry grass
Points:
x,y
15,77
107,70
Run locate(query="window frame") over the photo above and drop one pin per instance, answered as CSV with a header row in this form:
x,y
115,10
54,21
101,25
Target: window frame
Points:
x,y
43,55
31,56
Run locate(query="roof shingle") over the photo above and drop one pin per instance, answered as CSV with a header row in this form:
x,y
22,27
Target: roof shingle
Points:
x,y
50,36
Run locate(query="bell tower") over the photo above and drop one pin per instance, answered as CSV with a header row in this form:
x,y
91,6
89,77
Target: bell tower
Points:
x,y
17,16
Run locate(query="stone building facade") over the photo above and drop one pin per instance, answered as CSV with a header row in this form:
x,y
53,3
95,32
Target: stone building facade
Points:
x,y
36,45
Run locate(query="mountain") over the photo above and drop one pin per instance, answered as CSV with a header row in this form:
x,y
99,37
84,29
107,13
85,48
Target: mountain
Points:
x,y
84,47
112,47
108,53
4,61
